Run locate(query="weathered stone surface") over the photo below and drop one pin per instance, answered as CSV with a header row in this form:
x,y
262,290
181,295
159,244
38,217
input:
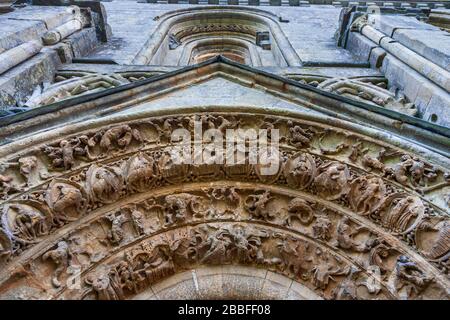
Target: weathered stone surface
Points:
x,y
356,208
431,44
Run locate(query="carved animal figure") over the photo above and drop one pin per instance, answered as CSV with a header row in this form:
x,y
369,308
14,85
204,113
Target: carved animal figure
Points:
x,y
29,223
256,204
60,256
120,136
409,275
301,210
345,234
116,234
65,197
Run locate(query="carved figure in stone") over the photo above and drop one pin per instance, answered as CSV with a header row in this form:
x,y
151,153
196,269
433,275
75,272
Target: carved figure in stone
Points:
x,y
300,171
26,223
402,213
6,186
373,163
116,234
411,167
140,173
345,237
439,250
324,270
228,194
63,156
5,246
332,180
409,276
247,244
256,205
301,210
120,136
299,137
171,171
347,289
366,194
67,201
178,206
27,165
379,255
104,287
218,243
104,184
137,218
295,256
127,277
60,256
322,228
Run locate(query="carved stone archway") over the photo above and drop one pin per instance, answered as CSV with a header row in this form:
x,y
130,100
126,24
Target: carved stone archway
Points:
x,y
108,200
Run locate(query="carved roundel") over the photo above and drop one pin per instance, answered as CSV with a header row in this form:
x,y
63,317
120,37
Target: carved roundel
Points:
x,y
300,171
433,240
140,172
332,180
366,194
26,221
67,200
270,169
402,212
104,184
171,171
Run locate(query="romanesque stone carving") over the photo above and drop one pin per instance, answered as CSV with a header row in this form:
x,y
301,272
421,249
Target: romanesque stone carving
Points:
x,y
103,287
402,212
116,233
6,186
178,206
295,257
26,222
324,271
104,184
411,169
332,180
345,237
369,93
5,246
27,165
257,206
140,173
313,198
299,137
301,210
379,254
67,200
60,257
118,137
137,217
322,228
300,171
170,171
64,153
366,194
348,288
434,241
409,277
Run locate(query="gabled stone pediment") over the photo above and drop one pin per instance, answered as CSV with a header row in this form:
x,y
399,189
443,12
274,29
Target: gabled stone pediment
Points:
x,y
222,83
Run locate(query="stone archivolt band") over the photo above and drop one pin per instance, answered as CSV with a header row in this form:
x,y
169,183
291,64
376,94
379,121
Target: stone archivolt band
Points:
x,y
111,202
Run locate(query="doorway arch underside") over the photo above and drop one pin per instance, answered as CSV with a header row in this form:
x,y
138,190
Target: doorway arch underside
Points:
x,y
344,216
